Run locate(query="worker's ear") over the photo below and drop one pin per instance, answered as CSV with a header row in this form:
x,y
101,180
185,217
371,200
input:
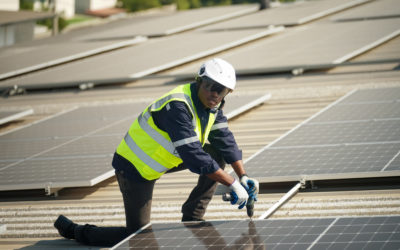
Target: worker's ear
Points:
x,y
222,104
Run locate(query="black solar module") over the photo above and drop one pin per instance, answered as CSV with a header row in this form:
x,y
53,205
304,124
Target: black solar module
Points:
x,y
357,136
308,233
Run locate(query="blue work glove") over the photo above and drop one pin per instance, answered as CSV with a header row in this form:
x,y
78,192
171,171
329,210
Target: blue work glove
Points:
x,y
251,185
239,194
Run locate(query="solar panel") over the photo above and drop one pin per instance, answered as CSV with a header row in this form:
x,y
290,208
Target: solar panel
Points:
x,y
358,136
289,14
341,41
372,10
307,233
140,60
7,116
90,41
75,148
71,149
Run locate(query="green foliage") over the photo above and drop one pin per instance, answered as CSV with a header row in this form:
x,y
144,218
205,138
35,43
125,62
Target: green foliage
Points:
x,y
26,4
62,23
137,5
187,4
166,2
79,19
215,2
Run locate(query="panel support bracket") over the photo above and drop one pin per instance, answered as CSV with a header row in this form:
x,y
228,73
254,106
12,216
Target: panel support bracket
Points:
x,y
50,190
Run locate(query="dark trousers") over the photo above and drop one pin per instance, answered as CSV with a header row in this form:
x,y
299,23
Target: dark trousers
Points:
x,y
137,198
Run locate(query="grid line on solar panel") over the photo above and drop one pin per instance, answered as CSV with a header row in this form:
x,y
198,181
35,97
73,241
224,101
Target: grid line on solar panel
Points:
x,y
353,136
64,173
360,111
378,232
66,143
228,234
375,131
362,233
329,159
374,95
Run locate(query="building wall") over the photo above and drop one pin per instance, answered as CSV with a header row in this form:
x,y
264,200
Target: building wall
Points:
x,y
66,8
6,35
14,33
102,4
12,5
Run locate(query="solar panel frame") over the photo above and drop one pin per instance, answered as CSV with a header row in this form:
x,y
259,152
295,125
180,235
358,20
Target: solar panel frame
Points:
x,y
8,116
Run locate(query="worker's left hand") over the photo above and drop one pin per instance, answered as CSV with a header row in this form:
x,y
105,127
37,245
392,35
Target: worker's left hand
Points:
x,y
251,185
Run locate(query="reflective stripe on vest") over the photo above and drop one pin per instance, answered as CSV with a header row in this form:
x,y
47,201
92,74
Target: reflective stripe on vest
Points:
x,y
143,156
158,104
219,126
142,119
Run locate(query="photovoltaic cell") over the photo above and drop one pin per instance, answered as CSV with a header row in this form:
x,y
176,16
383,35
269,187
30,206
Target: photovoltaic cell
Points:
x,y
358,136
307,233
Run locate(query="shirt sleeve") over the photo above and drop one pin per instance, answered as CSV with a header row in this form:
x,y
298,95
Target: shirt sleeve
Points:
x,y
176,120
223,140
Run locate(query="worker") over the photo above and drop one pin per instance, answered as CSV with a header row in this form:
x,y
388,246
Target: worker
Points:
x,y
170,135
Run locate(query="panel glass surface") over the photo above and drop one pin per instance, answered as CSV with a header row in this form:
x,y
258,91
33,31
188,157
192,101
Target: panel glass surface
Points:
x,y
359,134
318,233
323,160
70,149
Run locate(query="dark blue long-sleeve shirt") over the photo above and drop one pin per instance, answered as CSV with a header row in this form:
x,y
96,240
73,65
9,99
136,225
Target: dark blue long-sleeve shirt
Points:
x,y
176,119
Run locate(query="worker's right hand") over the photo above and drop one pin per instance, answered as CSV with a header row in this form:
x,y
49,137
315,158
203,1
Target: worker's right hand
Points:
x,y
239,194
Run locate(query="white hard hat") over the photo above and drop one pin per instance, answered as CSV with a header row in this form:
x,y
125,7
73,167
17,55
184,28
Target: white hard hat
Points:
x,y
220,71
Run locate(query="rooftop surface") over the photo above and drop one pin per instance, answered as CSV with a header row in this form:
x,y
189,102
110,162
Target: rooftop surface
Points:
x,y
29,214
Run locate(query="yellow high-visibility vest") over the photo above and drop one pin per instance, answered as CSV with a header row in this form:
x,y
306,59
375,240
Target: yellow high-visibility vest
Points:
x,y
149,148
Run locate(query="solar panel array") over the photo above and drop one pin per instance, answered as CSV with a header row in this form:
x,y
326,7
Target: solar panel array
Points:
x,y
375,233
341,42
154,56
90,41
140,60
296,13
75,148
358,136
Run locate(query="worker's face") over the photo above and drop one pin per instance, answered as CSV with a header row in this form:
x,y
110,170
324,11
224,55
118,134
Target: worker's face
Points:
x,y
211,94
